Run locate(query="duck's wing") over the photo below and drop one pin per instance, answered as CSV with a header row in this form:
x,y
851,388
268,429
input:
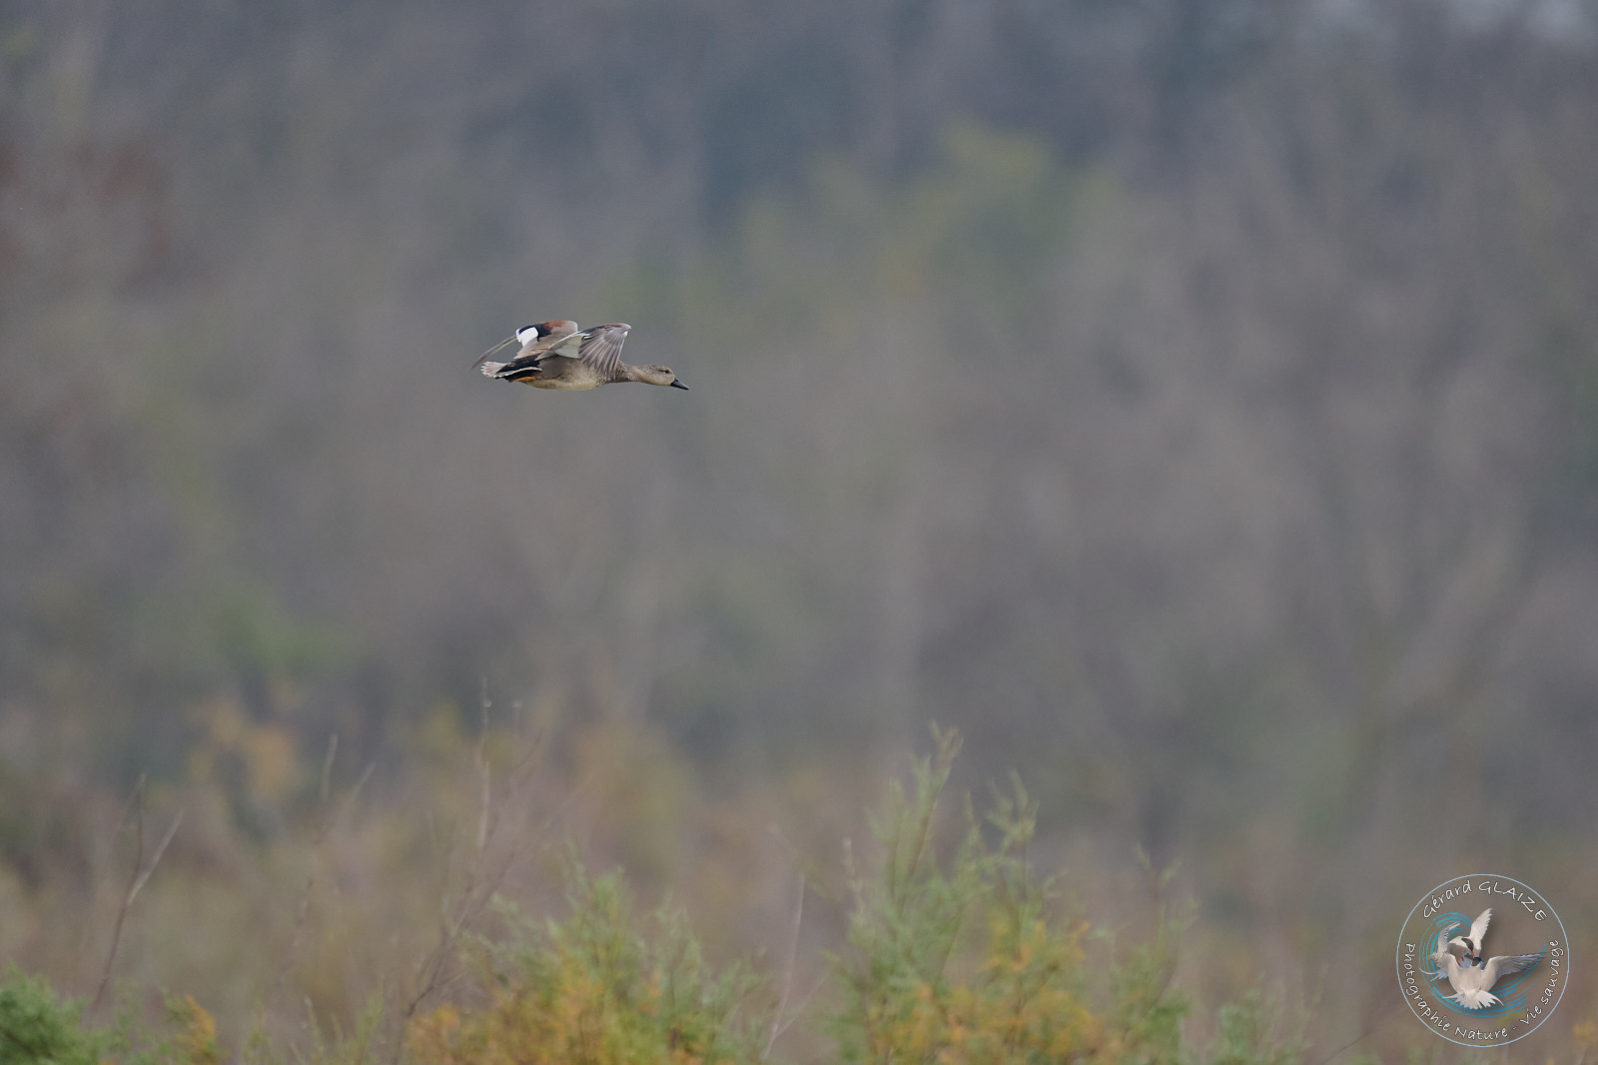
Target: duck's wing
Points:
x,y
601,347
562,343
507,342
567,347
1508,965
537,346
559,338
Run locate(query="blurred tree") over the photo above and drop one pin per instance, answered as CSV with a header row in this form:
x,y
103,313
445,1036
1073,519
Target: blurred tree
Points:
x,y
1194,401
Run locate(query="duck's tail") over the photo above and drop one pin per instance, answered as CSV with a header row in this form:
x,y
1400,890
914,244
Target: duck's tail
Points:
x,y
509,371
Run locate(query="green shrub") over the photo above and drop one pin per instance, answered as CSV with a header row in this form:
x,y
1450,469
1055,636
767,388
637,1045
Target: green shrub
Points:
x,y
590,990
968,957
957,953
1250,1032
961,955
37,1027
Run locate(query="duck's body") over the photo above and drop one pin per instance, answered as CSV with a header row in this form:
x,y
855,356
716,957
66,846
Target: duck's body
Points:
x,y
557,355
579,375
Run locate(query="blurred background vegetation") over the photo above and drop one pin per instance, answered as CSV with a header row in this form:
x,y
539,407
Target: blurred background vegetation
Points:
x,y
1192,401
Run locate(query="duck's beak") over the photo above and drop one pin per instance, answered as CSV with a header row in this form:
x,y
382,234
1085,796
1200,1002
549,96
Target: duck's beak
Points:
x,y
679,384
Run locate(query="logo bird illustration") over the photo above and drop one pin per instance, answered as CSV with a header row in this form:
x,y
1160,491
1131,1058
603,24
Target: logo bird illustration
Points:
x,y
1473,978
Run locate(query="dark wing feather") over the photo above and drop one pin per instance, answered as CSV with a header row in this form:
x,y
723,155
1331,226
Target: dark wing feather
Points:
x,y
602,348
522,364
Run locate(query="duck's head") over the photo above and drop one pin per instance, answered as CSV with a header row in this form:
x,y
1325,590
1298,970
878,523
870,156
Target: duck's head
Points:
x,y
657,375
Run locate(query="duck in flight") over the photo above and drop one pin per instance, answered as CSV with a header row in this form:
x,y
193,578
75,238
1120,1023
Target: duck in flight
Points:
x,y
1473,981
558,354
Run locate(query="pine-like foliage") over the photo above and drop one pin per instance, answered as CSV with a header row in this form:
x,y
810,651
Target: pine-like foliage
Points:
x,y
962,954
591,990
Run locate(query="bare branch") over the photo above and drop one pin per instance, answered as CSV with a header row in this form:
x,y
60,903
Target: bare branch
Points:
x,y
136,881
778,1025
329,819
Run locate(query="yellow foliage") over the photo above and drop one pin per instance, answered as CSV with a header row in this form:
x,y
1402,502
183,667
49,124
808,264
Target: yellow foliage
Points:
x,y
589,992
964,957
1014,1004
266,750
269,760
196,1039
